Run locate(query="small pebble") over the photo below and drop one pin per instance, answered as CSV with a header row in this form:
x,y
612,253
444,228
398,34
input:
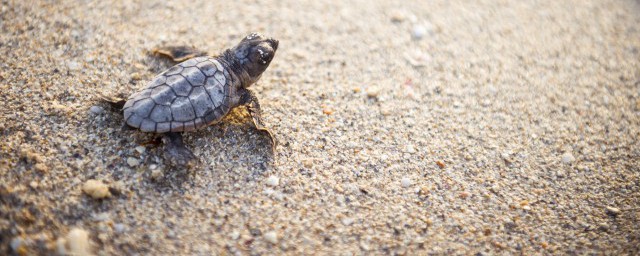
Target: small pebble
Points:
x,y
96,189
603,226
131,161
61,246
397,17
101,216
136,76
406,182
78,241
271,237
307,163
119,227
347,221
418,32
15,244
41,167
613,210
73,65
96,110
156,174
234,235
568,158
273,181
140,149
373,92
410,149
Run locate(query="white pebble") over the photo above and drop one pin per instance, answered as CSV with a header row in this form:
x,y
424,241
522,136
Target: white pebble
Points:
x,y
234,235
119,227
15,243
406,182
418,32
568,158
96,110
410,149
132,161
61,246
271,237
78,240
140,149
613,210
73,65
273,181
347,221
101,216
373,92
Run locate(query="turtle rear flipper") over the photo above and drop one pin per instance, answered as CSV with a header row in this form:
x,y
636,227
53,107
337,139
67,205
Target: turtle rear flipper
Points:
x,y
178,53
114,102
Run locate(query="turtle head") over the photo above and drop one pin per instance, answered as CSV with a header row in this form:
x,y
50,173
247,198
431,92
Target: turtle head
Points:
x,y
254,53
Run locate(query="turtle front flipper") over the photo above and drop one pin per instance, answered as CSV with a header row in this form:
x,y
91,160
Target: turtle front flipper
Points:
x,y
249,99
178,53
175,152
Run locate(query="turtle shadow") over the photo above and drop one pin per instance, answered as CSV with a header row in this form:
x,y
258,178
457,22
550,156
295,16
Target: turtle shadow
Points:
x,y
235,134
253,157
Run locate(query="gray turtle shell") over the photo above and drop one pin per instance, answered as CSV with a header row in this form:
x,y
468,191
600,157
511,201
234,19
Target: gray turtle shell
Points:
x,y
186,97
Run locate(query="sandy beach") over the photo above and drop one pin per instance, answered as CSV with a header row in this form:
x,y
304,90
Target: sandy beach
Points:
x,y
408,127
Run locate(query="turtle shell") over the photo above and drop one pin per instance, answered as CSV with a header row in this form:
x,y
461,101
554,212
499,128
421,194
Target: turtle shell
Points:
x,y
187,96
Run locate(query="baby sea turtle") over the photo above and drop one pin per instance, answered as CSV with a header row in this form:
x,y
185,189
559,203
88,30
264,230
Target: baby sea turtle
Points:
x,y
200,91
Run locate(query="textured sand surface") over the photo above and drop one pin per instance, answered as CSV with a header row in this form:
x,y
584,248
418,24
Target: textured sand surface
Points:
x,y
492,127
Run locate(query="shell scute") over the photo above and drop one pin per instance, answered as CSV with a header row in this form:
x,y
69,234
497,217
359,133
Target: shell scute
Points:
x,y
161,114
143,107
207,67
194,76
177,126
173,70
216,91
148,125
163,127
163,95
200,101
182,110
190,62
157,81
179,84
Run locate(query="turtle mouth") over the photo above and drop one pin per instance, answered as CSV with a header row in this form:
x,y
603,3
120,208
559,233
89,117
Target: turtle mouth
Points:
x,y
273,43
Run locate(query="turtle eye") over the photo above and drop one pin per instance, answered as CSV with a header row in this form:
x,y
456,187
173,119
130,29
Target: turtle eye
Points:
x,y
263,56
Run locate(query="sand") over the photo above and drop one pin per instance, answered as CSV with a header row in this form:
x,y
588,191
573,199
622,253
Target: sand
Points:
x,y
414,127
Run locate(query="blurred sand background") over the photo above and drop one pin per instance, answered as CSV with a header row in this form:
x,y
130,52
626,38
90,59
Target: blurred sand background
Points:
x,y
405,127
